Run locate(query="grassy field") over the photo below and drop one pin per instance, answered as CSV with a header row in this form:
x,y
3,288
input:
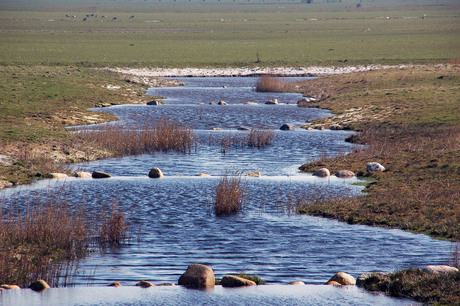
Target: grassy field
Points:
x,y
230,35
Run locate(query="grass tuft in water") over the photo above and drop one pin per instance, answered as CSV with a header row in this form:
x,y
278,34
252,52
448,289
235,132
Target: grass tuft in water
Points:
x,y
229,195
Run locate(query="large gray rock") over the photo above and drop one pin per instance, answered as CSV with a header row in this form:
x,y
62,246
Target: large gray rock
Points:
x,y
374,166
287,127
236,281
198,276
343,279
323,172
39,285
345,174
439,269
100,174
155,173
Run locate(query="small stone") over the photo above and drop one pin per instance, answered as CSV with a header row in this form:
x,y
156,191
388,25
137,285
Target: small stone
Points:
x,y
345,174
297,283
216,129
4,184
336,127
333,283
55,175
250,103
343,279
254,174
236,281
82,174
244,128
222,103
203,174
115,284
10,287
144,284
155,173
39,285
323,172
374,166
287,127
272,101
100,174
156,102
212,103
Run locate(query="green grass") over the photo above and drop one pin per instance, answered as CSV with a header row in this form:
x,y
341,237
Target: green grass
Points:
x,y
291,35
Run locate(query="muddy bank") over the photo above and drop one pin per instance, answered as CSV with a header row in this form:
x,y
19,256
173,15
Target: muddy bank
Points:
x,y
246,71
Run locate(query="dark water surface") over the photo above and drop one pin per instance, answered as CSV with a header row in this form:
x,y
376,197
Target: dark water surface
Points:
x,y
175,223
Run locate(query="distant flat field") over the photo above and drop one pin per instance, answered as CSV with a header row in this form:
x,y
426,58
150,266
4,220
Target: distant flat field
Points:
x,y
270,35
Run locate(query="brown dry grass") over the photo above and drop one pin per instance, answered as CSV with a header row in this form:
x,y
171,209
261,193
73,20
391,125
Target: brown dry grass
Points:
x,y
42,241
229,195
161,136
270,83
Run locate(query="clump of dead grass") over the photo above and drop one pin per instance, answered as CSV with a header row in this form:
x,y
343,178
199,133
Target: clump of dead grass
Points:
x,y
162,136
229,195
42,241
271,83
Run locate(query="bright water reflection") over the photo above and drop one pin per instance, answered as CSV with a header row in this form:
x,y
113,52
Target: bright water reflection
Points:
x,y
177,227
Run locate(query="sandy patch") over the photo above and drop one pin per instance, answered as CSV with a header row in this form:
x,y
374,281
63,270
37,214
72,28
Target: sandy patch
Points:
x,y
245,71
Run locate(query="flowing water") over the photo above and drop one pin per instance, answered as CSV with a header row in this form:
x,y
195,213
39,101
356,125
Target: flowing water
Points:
x,y
171,218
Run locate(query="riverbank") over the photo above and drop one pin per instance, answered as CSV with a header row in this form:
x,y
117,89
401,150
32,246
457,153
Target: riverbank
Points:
x,y
409,118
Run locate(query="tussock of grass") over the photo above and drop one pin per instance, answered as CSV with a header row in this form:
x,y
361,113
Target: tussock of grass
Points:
x,y
162,136
229,195
42,241
270,83
258,137
254,277
442,288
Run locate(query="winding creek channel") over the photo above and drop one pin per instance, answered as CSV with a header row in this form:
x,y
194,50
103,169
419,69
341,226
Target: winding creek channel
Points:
x,y
176,226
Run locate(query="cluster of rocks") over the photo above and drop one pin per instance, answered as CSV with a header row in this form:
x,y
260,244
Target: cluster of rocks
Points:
x,y
39,285
370,167
198,276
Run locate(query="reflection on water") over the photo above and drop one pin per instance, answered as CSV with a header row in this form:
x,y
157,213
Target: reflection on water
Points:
x,y
255,295
174,220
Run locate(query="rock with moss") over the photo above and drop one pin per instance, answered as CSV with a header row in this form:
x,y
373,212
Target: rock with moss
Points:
x,y
236,281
